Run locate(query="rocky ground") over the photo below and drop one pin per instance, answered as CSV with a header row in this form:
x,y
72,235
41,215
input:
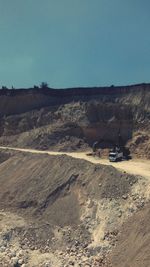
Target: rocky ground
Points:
x,y
60,211
140,145
43,119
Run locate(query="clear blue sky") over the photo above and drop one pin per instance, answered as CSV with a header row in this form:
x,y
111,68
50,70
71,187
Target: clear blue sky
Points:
x,y
69,43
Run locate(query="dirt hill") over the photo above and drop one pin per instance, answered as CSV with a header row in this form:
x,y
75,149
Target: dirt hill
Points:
x,y
34,183
61,211
133,246
72,119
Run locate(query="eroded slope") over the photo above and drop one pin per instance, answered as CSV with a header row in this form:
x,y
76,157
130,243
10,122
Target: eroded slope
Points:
x,y
64,209
73,119
133,246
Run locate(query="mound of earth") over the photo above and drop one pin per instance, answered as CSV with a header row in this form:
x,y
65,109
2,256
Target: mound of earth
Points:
x,y
133,245
50,185
61,207
62,211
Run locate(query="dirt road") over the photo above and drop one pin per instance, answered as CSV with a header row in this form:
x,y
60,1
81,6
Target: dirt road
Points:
x,y
135,166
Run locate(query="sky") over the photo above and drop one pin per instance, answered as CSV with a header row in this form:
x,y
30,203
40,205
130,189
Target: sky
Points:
x,y
73,43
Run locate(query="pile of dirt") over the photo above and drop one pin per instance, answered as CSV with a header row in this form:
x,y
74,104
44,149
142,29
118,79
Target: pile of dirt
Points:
x,y
133,245
49,185
62,211
54,190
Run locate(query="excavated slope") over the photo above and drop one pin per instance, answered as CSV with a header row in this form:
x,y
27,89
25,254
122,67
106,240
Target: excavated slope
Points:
x,y
36,98
70,119
50,185
72,209
133,246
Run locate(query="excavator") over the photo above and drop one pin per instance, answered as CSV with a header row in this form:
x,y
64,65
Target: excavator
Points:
x,y
118,152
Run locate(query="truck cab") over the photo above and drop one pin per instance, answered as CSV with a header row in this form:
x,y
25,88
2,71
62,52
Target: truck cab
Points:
x,y
115,156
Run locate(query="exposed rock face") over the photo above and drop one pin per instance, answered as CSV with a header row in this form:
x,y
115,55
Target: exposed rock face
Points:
x,y
72,118
36,98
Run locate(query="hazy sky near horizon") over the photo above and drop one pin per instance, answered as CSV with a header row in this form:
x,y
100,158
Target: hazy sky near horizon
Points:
x,y
69,43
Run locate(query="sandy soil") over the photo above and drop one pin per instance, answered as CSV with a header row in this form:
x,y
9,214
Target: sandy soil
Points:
x,y
103,204
134,166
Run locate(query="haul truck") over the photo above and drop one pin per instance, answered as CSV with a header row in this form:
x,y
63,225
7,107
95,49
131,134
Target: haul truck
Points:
x,y
115,155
